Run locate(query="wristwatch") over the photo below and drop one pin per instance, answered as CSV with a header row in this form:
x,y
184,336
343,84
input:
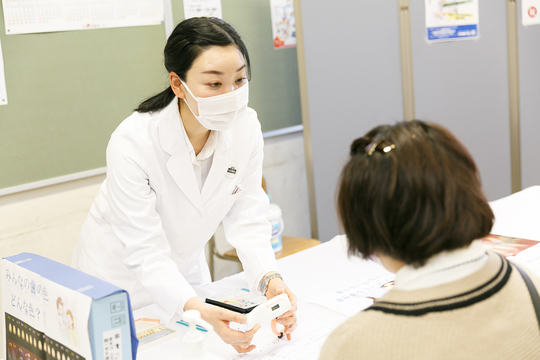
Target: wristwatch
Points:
x,y
263,286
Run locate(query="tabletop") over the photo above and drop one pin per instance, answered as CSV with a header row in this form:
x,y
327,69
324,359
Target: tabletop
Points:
x,y
317,274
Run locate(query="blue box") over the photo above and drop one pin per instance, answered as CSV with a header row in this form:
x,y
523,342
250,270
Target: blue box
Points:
x,y
52,311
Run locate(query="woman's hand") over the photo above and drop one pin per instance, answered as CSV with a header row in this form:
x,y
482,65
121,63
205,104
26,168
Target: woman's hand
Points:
x,y
276,287
220,318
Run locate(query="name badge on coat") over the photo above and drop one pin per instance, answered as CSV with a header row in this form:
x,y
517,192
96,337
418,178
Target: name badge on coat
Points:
x,y
231,171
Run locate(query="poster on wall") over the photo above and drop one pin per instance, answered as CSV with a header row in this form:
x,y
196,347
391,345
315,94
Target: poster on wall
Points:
x,y
530,12
450,20
3,92
37,16
196,8
283,23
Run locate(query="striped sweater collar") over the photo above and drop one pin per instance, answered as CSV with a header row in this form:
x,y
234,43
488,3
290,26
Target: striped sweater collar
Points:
x,y
450,296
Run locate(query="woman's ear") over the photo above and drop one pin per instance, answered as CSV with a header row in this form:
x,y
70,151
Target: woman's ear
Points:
x,y
176,85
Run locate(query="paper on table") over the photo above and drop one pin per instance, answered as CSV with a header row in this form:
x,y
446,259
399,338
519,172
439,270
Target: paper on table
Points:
x,y
306,348
36,16
3,93
517,214
530,258
357,297
530,255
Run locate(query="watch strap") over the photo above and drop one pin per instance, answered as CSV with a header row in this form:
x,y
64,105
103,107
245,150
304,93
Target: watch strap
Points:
x,y
263,286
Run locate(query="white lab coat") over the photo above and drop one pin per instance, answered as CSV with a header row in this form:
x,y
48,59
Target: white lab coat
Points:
x,y
147,228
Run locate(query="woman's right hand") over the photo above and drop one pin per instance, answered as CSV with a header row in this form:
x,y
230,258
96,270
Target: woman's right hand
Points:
x,y
220,318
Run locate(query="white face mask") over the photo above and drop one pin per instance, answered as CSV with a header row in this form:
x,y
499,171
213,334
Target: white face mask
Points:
x,y
220,112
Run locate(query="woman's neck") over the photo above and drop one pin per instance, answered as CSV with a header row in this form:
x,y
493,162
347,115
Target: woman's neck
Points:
x,y
196,133
391,264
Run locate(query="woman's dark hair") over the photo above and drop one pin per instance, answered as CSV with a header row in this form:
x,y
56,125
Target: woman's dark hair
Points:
x,y
188,40
411,191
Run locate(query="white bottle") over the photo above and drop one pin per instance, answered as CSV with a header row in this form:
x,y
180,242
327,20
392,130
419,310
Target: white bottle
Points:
x,y
274,216
193,342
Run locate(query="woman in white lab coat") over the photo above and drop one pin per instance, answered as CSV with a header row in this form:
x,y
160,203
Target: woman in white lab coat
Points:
x,y
186,160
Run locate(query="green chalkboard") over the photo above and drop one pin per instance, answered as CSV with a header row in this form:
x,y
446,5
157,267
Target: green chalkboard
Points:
x,y
68,91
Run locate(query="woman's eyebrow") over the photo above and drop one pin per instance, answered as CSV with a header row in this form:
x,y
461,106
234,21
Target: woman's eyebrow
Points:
x,y
212,72
215,72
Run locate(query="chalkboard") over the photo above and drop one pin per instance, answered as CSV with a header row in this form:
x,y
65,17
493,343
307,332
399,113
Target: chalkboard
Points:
x,y
68,91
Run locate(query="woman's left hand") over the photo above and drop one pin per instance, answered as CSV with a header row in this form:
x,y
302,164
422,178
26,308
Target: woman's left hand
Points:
x,y
276,287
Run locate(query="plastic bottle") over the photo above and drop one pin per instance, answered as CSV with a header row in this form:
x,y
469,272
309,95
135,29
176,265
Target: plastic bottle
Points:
x,y
193,342
274,216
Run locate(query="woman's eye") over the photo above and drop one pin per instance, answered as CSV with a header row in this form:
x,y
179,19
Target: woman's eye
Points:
x,y
241,80
214,85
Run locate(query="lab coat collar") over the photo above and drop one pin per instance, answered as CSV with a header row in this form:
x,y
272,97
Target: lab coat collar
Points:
x,y
170,129
220,164
174,143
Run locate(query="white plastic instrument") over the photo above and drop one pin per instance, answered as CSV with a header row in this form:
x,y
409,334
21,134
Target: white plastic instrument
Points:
x,y
264,312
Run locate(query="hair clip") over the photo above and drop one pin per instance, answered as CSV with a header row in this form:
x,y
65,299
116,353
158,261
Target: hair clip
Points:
x,y
370,149
389,148
373,145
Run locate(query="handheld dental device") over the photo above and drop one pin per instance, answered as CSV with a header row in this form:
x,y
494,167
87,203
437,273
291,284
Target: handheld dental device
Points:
x,y
264,312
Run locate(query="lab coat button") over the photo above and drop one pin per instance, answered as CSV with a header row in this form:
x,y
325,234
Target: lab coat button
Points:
x,y
198,220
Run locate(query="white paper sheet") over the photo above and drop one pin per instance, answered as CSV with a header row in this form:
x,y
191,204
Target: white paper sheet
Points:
x,y
449,20
196,8
530,258
352,299
530,255
3,92
530,12
517,214
36,16
305,348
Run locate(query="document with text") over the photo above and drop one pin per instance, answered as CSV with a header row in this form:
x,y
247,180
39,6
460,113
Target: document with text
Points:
x,y
38,16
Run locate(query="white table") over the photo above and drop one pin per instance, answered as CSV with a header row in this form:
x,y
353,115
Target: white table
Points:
x,y
518,215
318,270
327,268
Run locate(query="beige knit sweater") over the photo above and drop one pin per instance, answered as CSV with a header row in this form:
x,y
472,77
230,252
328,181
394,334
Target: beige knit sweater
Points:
x,y
486,315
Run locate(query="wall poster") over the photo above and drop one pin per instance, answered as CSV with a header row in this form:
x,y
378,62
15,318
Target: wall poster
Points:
x,y
283,23
530,12
449,20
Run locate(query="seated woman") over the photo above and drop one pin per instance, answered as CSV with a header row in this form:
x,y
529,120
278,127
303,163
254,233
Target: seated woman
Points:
x,y
410,196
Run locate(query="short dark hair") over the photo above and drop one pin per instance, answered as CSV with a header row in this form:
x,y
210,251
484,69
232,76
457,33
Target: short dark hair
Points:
x,y
187,41
410,191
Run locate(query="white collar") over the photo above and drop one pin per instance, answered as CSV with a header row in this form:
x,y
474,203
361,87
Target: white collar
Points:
x,y
208,148
442,268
